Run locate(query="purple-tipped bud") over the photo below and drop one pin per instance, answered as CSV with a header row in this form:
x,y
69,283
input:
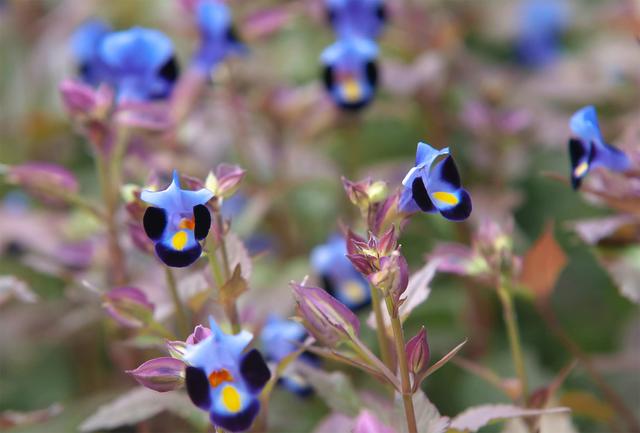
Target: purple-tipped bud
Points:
x,y
226,180
365,192
199,333
49,182
368,423
84,102
146,116
418,353
129,306
328,320
160,374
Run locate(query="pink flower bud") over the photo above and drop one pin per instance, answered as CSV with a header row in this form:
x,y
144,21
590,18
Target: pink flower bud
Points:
x,y
129,306
226,180
328,320
49,182
83,101
392,277
418,353
176,349
160,374
199,333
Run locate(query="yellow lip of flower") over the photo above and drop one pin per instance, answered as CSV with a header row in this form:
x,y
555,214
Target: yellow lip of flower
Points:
x,y
179,240
446,197
581,169
231,398
351,89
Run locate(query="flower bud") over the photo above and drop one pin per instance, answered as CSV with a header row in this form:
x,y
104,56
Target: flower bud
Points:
x,y
365,192
129,306
176,348
84,102
392,277
199,333
160,374
49,182
226,180
328,320
418,353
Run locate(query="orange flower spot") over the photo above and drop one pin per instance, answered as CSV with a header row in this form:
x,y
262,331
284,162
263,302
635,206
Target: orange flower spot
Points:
x,y
220,376
186,223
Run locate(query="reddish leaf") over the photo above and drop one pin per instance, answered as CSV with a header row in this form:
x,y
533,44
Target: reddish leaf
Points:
x,y
543,264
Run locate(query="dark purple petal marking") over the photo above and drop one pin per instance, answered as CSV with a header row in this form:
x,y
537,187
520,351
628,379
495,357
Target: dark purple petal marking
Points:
x,y
327,77
449,172
381,13
170,70
202,219
254,370
371,72
240,421
154,222
198,387
460,211
178,259
420,195
327,284
577,154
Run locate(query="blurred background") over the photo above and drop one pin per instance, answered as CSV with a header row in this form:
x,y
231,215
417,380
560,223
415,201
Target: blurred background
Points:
x,y
496,81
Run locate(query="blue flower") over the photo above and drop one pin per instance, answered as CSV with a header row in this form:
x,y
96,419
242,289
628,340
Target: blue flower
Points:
x,y
141,63
542,23
177,221
279,339
350,71
360,18
340,278
217,35
587,148
435,186
224,380
85,42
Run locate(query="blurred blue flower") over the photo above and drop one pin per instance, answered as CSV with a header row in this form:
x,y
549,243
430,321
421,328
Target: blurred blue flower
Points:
x,y
340,279
359,18
542,23
85,43
217,35
587,148
431,186
176,221
224,380
139,64
280,338
350,71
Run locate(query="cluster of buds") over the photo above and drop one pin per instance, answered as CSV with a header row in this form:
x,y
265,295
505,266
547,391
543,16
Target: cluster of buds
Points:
x,y
379,260
490,256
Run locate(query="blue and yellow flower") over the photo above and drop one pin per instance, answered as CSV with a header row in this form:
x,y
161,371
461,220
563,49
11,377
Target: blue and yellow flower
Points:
x,y
350,71
176,222
280,338
433,186
224,380
218,37
340,279
587,148
360,18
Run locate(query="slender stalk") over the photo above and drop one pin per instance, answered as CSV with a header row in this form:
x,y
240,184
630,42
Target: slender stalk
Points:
x,y
381,329
511,323
221,274
398,338
617,402
177,303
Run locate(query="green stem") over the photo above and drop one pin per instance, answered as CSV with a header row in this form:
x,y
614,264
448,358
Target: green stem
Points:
x,y
511,323
221,274
381,329
177,303
398,338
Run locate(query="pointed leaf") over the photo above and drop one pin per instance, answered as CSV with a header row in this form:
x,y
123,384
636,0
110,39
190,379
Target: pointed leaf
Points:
x,y
543,264
335,389
472,419
428,418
